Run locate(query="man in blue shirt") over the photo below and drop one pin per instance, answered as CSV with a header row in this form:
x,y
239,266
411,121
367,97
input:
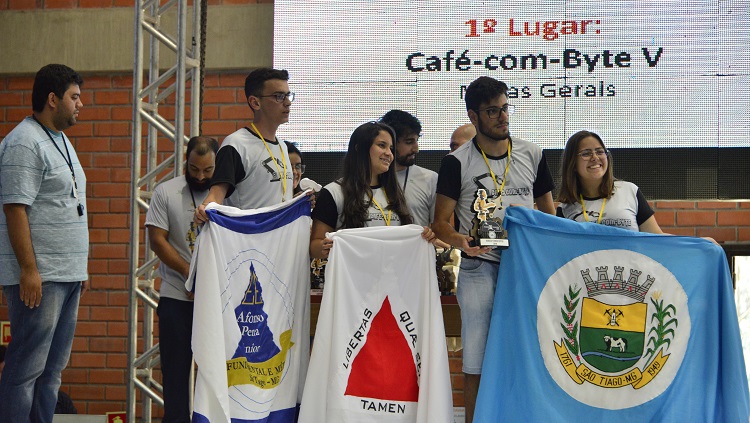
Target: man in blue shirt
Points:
x,y
44,245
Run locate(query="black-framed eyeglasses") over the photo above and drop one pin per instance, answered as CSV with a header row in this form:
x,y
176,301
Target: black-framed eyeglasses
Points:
x,y
494,112
280,97
300,168
588,154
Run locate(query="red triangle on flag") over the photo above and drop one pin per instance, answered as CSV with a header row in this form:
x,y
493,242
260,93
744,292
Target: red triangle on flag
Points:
x,y
385,368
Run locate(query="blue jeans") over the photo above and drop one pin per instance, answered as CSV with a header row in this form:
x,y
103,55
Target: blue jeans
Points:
x,y
475,293
38,352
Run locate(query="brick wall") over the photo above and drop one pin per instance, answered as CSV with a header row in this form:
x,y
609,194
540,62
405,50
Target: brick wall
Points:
x,y
722,220
97,374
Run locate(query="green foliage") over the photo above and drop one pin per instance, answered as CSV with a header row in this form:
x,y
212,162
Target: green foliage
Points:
x,y
661,334
569,316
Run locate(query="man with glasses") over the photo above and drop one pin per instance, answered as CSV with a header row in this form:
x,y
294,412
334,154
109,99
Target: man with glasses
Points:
x,y
509,171
252,166
253,170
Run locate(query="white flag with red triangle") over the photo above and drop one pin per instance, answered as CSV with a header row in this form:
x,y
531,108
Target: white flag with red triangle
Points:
x,y
379,353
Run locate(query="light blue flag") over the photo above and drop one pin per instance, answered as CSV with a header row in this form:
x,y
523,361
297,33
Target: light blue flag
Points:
x,y
603,324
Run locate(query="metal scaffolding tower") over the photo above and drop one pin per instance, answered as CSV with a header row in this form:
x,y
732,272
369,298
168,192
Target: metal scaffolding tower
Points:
x,y
156,25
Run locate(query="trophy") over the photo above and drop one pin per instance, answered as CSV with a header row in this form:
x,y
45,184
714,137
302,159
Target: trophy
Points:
x,y
487,230
317,274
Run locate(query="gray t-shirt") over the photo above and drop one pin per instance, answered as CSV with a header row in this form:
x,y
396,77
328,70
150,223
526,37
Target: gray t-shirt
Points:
x,y
172,209
329,208
254,176
464,171
626,209
419,186
35,173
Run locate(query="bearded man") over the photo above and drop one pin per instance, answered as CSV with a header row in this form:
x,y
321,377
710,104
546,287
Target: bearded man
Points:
x,y
507,171
172,234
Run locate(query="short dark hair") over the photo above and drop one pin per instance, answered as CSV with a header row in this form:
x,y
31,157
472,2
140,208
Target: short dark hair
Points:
x,y
570,185
202,145
52,78
483,90
403,123
255,80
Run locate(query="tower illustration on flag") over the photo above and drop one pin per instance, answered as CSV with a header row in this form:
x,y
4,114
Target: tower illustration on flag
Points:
x,y
379,353
251,332
612,325
258,360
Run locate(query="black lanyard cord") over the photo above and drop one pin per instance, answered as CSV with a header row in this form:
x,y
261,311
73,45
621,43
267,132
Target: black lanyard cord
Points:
x,y
406,179
67,160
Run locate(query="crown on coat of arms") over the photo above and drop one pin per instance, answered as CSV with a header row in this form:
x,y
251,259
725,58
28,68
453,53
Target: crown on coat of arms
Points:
x,y
616,285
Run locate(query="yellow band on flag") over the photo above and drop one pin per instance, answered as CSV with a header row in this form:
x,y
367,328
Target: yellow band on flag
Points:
x,y
265,375
598,315
652,369
567,361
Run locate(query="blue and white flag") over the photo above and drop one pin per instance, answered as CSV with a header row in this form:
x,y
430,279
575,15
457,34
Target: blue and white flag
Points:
x,y
251,324
379,353
603,324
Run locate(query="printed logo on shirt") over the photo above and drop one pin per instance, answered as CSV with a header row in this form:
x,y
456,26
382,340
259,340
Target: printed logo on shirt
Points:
x,y
490,187
593,216
484,182
271,168
378,217
618,223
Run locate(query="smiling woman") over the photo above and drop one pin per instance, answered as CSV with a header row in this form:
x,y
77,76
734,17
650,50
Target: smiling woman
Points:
x,y
590,193
367,194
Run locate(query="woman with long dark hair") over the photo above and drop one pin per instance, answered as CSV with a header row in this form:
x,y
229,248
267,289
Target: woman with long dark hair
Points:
x,y
367,194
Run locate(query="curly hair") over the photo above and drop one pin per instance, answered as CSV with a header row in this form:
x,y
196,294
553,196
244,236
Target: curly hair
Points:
x,y
403,123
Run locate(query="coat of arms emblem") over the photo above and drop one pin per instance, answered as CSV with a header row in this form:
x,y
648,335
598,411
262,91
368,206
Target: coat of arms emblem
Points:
x,y
621,318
